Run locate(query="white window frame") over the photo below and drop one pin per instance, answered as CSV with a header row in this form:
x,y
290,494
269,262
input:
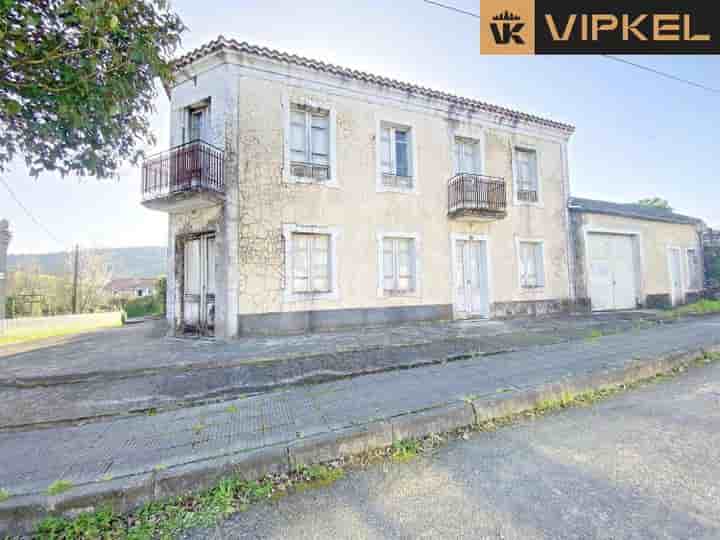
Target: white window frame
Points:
x,y
689,284
186,116
307,102
416,290
479,142
518,256
289,295
516,174
381,186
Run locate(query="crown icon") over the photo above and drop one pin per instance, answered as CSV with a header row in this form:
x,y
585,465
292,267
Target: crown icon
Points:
x,y
506,16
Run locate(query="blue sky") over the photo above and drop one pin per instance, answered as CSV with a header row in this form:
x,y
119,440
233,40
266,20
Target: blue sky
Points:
x,y
637,134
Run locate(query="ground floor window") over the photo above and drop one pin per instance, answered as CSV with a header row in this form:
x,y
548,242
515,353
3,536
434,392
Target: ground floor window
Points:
x,y
398,264
532,272
311,262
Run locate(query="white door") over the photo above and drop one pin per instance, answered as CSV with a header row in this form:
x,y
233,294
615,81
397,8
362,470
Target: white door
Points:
x,y
676,280
471,280
199,285
613,272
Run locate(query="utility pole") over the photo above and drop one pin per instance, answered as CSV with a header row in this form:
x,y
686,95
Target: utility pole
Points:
x,y
75,280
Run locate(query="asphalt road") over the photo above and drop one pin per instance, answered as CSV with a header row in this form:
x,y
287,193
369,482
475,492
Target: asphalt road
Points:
x,y
643,465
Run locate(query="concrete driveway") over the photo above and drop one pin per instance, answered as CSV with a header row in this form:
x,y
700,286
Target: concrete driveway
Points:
x,y
135,368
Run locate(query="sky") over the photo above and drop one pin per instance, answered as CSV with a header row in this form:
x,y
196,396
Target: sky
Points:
x,y
637,134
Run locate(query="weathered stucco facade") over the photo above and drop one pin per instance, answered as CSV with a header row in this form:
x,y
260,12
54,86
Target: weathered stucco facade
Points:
x,y
654,238
250,97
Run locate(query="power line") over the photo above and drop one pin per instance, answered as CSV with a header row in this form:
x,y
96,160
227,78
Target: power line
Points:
x,y
663,74
28,212
452,8
607,56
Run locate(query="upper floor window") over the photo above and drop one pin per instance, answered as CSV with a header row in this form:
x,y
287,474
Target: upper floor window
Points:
x,y
198,122
532,272
467,156
398,264
310,263
395,156
309,143
526,176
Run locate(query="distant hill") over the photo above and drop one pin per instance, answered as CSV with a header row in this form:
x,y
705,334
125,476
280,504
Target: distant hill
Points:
x,y
124,262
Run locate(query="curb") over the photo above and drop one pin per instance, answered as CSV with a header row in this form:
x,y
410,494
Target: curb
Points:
x,y
19,514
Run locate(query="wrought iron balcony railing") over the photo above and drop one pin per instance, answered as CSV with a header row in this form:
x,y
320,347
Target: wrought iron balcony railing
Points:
x,y
476,194
193,166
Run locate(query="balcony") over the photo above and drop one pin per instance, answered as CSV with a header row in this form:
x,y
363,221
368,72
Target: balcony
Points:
x,y
476,197
186,177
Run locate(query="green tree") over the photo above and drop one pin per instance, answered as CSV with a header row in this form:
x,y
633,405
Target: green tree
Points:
x,y
656,202
78,80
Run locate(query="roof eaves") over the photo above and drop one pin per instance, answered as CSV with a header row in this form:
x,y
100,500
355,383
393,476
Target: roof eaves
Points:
x,y
222,43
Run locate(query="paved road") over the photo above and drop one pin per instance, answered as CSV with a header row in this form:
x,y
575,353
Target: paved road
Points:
x,y
645,465
127,448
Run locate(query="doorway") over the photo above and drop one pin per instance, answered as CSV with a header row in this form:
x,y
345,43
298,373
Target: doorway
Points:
x,y
471,278
676,276
199,285
613,271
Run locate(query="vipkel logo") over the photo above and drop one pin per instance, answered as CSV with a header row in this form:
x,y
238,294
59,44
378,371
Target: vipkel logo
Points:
x,y
506,28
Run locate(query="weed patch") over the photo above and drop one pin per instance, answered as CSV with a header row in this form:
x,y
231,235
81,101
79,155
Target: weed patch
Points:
x,y
59,486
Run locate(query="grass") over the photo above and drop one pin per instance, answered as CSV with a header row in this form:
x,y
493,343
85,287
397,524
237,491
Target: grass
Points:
x,y
59,486
701,307
169,518
405,450
595,334
22,337
4,495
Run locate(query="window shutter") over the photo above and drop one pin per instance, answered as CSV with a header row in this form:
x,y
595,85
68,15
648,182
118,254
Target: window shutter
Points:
x,y
320,139
298,136
458,157
320,263
402,158
388,265
404,264
470,162
300,262
523,257
182,123
532,177
539,270
385,151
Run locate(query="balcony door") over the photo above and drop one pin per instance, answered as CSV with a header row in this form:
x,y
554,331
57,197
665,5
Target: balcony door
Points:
x,y
471,278
199,285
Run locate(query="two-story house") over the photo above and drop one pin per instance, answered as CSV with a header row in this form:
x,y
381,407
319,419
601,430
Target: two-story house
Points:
x,y
306,196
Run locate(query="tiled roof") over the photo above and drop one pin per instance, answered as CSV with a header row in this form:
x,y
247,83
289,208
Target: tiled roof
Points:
x,y
222,43
637,211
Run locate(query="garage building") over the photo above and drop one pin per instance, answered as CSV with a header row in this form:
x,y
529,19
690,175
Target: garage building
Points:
x,y
628,256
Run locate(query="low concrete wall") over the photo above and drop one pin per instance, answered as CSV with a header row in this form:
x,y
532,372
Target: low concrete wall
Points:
x,y
66,324
298,322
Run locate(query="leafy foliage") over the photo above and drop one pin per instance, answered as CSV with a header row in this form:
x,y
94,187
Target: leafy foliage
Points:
x,y
77,80
655,202
144,306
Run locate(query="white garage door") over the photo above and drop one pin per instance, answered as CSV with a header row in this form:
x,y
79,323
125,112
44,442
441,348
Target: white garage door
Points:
x,y
612,271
